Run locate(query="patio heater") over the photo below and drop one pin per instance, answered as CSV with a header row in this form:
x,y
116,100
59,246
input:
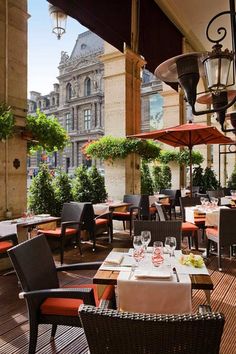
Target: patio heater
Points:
x,y
59,19
216,68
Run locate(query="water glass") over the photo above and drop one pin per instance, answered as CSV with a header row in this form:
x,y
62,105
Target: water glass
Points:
x,y
138,253
170,245
157,254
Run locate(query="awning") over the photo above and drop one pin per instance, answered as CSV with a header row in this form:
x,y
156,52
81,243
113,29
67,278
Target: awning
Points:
x,y
158,39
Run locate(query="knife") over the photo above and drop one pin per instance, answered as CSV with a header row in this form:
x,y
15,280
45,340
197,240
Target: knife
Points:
x,y
175,272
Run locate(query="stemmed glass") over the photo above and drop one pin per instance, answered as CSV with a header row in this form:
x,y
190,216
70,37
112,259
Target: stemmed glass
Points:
x,y
145,239
170,245
157,254
138,253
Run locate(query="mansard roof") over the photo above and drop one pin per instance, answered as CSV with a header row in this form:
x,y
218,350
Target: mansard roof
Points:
x,y
87,43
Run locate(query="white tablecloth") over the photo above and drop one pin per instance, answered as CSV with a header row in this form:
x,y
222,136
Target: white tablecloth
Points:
x,y
101,208
154,295
7,228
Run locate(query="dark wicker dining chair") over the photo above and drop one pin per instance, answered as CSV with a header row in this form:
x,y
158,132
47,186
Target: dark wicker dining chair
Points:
x,y
159,229
6,242
113,332
47,302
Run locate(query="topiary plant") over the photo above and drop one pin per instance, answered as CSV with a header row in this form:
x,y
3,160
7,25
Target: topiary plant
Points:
x,y
146,179
62,189
166,176
98,190
210,180
232,180
41,193
82,186
198,178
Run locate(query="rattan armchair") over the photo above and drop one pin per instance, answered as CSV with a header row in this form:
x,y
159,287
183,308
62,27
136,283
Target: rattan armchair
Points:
x,y
159,229
113,332
47,302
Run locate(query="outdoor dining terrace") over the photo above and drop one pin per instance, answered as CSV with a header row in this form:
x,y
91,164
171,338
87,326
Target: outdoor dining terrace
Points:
x,y
14,327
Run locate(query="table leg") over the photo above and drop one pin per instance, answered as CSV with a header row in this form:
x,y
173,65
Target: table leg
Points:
x,y
208,296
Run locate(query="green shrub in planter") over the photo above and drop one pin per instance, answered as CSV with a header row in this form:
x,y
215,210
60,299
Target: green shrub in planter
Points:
x,y
146,179
98,190
210,180
41,198
62,189
82,186
232,180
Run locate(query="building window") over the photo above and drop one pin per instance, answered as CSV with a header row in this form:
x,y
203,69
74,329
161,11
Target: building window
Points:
x,y
68,91
68,122
87,119
87,87
156,111
53,101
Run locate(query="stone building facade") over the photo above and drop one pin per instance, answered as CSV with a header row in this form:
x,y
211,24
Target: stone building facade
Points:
x,y
78,101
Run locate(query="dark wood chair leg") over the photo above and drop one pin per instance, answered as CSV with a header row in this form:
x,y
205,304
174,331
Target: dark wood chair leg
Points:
x,y
53,331
33,335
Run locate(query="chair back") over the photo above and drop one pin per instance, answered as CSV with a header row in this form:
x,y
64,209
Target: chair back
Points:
x,y
34,264
133,199
88,219
144,205
227,227
123,332
72,211
161,212
173,194
160,229
219,193
188,202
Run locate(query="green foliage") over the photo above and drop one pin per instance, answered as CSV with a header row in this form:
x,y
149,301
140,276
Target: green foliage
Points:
x,y
6,122
181,157
161,177
82,186
210,180
62,189
98,190
47,131
41,193
232,180
198,176
110,148
146,179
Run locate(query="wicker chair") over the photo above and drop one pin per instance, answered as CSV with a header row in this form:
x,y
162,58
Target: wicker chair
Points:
x,y
159,229
224,236
113,332
174,195
188,229
96,225
6,242
71,216
188,202
133,211
46,301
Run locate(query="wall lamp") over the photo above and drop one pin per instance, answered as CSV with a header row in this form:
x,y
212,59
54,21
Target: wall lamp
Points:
x,y
58,18
216,68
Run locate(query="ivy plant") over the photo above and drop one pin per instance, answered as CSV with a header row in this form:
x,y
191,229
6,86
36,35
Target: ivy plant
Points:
x,y
181,157
6,122
48,134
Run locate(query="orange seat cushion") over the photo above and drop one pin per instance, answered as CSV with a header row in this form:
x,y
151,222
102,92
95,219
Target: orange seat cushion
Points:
x,y
69,307
101,221
4,246
120,213
188,226
57,232
213,231
152,210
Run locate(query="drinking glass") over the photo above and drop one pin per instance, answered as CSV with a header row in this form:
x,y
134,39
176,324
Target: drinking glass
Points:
x,y
138,253
145,239
157,254
170,245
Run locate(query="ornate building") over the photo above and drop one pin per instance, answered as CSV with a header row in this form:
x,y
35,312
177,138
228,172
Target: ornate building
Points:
x,y
78,101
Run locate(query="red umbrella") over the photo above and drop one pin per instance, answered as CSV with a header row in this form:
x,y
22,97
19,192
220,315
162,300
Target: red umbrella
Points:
x,y
188,134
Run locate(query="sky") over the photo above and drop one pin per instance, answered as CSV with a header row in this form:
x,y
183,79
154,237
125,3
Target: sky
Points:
x,y
44,49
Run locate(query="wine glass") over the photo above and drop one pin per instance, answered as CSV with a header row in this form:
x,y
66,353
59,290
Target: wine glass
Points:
x,y
145,239
157,254
170,245
138,253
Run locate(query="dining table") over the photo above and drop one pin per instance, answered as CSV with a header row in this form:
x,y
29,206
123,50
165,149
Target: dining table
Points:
x,y
103,208
191,278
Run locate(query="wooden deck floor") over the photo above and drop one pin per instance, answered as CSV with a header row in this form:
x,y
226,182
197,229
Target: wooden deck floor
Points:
x,y
14,328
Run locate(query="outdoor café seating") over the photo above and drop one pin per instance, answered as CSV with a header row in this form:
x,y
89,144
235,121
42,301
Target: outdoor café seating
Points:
x,y
114,332
6,242
47,302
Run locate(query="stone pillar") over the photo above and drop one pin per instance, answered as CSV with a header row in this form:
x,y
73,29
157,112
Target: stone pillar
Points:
x,y
122,115
13,91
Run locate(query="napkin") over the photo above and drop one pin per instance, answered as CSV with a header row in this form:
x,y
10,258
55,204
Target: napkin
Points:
x,y
114,258
159,274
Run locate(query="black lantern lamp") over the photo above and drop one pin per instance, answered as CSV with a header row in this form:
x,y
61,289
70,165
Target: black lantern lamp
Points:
x,y
58,20
213,67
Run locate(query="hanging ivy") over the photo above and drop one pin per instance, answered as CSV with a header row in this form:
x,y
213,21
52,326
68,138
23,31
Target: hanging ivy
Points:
x,y
181,157
6,122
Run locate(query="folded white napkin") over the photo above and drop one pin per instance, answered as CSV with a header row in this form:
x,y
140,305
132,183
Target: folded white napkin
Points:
x,y
154,274
114,258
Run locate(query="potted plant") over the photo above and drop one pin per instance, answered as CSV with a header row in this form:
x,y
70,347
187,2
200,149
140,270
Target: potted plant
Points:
x,y
6,122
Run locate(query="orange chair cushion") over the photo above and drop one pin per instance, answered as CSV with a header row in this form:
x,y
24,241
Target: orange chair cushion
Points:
x,y
213,231
188,226
57,232
4,246
120,213
152,210
69,307
101,221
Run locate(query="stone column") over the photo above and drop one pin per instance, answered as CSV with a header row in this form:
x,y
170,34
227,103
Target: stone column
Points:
x,y
122,115
13,91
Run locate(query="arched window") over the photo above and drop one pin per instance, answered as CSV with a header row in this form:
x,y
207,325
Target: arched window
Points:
x,y
87,87
68,91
